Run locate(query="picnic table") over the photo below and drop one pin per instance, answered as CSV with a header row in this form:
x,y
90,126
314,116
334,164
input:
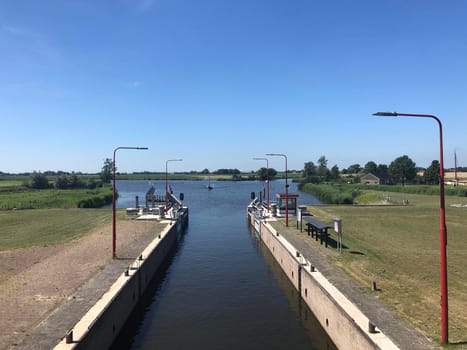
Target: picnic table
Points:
x,y
317,228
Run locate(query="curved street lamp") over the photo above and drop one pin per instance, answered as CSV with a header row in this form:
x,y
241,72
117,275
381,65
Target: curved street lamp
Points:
x,y
114,227
167,182
442,222
286,186
267,177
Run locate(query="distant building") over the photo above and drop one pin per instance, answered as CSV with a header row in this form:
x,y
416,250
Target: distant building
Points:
x,y
370,179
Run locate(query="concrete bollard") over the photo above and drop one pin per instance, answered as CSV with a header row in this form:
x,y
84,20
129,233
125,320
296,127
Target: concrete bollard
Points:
x,y
162,212
69,337
273,209
371,328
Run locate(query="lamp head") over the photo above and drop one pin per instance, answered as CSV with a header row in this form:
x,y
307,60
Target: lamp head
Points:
x,y
386,114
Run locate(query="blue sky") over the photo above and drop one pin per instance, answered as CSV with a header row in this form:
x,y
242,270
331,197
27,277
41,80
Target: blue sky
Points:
x,y
220,82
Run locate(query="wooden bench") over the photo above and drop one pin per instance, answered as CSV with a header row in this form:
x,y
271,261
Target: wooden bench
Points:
x,y
317,228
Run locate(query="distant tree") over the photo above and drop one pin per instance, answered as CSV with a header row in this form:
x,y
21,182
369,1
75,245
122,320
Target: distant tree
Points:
x,y
227,172
354,169
402,170
69,181
106,172
431,175
322,162
309,169
263,172
39,181
61,182
370,167
335,172
309,173
322,170
205,171
75,181
382,169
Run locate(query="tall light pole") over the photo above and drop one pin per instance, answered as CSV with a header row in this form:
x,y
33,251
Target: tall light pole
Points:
x,y
167,182
114,227
442,222
267,178
286,186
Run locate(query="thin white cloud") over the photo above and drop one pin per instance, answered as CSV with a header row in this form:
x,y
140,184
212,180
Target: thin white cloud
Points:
x,y
12,30
32,42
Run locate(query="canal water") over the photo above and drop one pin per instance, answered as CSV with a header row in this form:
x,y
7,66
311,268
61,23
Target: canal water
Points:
x,y
221,288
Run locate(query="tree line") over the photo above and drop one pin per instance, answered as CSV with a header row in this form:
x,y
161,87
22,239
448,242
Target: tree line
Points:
x,y
401,170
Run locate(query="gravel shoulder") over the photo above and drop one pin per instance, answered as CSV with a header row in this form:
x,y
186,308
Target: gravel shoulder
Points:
x,y
37,281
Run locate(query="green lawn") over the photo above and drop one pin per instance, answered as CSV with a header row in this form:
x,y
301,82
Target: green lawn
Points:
x,y
42,227
398,247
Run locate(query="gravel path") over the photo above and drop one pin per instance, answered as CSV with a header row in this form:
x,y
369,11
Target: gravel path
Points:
x,y
37,282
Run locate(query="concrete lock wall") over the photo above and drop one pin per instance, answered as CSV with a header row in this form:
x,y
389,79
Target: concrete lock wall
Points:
x,y
111,321
283,256
345,324
103,322
341,328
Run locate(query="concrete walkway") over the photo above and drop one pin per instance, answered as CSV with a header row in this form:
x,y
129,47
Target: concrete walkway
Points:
x,y
397,329
52,329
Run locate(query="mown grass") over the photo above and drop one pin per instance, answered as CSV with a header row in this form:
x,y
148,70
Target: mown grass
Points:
x,y
21,198
43,227
398,247
339,193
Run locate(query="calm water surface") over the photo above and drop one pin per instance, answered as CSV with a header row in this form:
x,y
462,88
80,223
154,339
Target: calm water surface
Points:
x,y
221,289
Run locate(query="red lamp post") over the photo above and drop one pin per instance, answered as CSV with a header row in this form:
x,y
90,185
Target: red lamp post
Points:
x,y
114,227
442,221
167,182
267,178
286,186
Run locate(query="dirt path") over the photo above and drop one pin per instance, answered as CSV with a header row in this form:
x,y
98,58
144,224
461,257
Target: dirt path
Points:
x,y
35,281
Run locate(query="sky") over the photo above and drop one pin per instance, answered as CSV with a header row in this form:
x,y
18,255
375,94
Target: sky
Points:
x,y
217,83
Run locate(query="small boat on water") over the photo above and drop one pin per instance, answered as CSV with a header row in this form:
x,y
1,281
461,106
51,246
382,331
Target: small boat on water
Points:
x,y
209,186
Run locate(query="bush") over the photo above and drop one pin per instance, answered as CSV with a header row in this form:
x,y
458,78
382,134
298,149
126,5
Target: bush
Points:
x,y
39,181
95,201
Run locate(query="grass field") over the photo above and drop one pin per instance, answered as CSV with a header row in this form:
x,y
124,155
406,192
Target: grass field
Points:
x,y
21,198
398,247
42,227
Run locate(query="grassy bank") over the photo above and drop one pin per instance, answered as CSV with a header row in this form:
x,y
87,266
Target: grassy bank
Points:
x,y
22,198
398,247
336,193
28,228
